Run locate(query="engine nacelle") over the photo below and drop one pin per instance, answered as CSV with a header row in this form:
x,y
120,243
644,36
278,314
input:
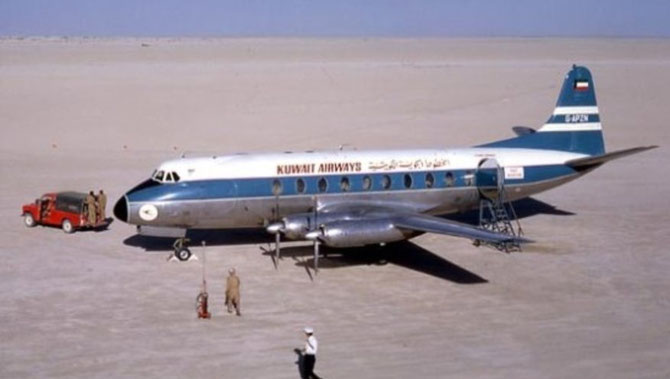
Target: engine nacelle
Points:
x,y
297,226
355,233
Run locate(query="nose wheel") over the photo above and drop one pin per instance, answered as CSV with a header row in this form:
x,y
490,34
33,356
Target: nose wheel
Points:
x,y
181,251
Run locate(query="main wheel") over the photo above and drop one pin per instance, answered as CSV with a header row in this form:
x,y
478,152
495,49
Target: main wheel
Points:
x,y
183,254
67,226
29,220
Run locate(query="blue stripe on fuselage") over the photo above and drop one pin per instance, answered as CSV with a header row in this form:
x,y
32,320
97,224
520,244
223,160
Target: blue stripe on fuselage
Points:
x,y
262,187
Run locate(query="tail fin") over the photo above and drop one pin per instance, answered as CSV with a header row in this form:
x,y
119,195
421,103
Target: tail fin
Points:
x,y
575,123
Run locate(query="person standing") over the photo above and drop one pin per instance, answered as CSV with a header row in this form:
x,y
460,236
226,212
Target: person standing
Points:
x,y
90,208
309,353
233,292
102,205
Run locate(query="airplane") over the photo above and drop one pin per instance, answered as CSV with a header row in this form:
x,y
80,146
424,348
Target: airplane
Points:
x,y
350,198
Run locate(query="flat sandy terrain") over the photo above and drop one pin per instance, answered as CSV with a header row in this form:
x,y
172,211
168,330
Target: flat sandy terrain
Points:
x,y
590,299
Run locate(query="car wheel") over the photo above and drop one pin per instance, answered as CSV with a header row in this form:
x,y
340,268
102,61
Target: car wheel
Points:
x,y
183,254
29,220
67,226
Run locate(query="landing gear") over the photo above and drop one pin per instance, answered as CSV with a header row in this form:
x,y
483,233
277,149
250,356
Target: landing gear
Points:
x,y
180,250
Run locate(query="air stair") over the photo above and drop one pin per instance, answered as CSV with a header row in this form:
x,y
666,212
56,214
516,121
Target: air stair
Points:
x,y
496,214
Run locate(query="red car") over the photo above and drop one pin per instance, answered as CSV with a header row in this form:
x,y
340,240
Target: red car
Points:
x,y
63,209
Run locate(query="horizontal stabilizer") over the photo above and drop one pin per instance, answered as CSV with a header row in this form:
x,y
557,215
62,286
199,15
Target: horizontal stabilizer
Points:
x,y
432,224
597,160
523,130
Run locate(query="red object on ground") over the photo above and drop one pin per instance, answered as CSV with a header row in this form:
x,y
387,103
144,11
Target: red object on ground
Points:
x,y
62,209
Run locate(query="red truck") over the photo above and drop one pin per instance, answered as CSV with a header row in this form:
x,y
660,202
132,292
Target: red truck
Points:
x,y
66,210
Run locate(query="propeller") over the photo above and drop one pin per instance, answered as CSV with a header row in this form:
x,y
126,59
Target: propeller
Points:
x,y
316,236
276,228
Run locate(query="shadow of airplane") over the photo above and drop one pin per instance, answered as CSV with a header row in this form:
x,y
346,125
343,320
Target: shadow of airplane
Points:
x,y
524,208
405,254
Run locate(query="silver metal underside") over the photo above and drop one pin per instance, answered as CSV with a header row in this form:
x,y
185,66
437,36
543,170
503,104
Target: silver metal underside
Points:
x,y
259,211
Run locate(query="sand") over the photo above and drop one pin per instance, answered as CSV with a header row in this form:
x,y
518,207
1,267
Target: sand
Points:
x,y
590,299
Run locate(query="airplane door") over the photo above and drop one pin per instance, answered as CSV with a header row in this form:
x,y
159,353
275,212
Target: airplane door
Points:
x,y
489,178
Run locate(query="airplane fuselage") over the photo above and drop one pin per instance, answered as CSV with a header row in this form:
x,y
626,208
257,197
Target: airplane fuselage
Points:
x,y
243,190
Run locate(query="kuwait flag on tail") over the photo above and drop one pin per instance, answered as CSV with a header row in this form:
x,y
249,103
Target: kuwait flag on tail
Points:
x,y
581,85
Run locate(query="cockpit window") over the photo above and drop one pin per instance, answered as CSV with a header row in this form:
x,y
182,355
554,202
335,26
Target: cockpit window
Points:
x,y
165,177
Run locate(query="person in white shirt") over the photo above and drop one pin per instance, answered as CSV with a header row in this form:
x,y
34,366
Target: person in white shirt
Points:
x,y
309,353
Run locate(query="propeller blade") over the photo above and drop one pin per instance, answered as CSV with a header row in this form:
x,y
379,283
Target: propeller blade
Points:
x,y
277,245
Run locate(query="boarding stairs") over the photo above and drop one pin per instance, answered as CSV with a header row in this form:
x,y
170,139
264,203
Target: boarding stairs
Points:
x,y
496,214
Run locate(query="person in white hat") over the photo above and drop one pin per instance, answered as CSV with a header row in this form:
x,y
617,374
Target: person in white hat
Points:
x,y
309,353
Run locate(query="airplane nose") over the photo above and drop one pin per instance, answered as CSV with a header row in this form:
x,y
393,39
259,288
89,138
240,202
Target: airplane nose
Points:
x,y
121,209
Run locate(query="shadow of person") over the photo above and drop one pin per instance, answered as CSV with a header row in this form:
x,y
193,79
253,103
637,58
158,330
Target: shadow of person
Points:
x,y
301,367
299,361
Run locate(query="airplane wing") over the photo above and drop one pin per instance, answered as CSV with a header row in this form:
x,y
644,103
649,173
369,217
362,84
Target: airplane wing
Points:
x,y
358,216
432,224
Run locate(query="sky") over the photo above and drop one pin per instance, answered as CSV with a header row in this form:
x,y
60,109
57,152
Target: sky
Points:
x,y
336,18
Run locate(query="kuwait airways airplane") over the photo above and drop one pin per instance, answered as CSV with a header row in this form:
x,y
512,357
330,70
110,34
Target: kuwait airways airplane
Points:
x,y
357,198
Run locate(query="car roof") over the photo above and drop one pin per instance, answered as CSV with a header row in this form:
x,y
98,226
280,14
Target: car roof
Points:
x,y
79,196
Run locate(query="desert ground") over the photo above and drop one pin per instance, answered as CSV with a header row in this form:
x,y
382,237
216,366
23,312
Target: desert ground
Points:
x,y
591,298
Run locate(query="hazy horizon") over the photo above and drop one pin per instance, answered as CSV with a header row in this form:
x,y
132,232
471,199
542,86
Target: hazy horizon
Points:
x,y
340,19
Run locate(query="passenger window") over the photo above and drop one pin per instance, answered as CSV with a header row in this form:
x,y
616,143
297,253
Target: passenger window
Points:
x,y
323,185
386,182
468,177
175,176
300,186
276,187
430,180
408,181
367,183
449,179
344,184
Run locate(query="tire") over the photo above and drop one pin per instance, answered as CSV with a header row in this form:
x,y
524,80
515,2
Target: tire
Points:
x,y
67,226
29,220
183,254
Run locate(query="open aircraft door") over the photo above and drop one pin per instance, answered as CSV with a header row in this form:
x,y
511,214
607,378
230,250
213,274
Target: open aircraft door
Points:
x,y
489,179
